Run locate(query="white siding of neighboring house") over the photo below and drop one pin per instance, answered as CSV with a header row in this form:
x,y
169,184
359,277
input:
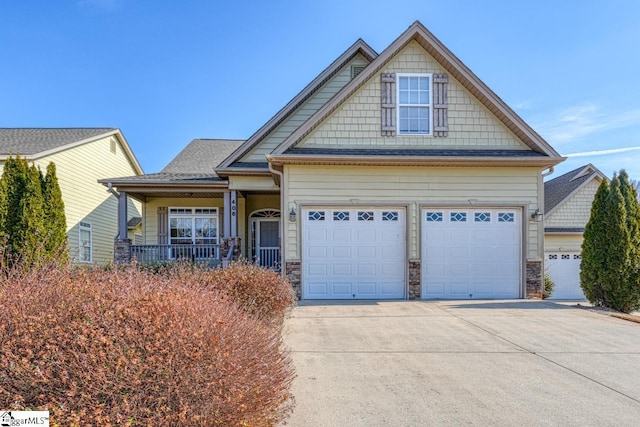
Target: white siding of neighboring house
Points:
x,y
78,169
310,106
413,187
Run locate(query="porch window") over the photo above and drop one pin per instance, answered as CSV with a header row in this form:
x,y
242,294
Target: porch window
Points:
x,y
193,226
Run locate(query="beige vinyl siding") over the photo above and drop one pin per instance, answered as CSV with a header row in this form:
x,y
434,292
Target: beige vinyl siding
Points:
x,y
262,201
252,183
413,187
576,211
310,106
357,121
150,218
78,169
563,242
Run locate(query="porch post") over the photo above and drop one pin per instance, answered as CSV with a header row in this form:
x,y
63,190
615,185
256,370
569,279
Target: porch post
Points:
x,y
234,213
230,235
122,216
227,215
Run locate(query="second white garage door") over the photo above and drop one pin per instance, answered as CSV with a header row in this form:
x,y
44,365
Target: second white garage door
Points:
x,y
353,253
471,253
563,269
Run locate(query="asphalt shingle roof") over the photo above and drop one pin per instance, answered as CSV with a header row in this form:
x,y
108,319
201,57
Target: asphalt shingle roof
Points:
x,y
201,156
558,189
30,141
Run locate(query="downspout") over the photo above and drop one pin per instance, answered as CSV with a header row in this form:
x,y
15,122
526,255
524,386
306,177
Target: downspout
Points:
x,y
283,214
550,171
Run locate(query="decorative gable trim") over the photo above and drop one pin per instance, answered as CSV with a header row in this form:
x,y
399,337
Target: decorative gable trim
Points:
x,y
388,103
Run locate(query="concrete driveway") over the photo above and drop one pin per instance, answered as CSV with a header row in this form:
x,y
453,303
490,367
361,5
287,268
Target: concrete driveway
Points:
x,y
414,363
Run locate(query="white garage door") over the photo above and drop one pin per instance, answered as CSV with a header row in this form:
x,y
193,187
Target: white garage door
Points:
x,y
353,253
564,269
471,253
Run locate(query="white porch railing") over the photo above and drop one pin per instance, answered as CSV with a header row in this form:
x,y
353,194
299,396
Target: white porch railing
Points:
x,y
268,257
149,254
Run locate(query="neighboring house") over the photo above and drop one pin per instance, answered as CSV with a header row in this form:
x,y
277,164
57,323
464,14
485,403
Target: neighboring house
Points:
x,y
81,156
567,200
391,175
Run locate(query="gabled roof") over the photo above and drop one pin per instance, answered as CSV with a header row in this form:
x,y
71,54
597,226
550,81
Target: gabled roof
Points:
x,y
560,189
359,47
417,32
34,143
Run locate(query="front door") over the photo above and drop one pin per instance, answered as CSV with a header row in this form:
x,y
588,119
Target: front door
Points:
x,y
267,235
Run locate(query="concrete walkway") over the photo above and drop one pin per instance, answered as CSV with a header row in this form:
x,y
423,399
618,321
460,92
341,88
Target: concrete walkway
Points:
x,y
485,363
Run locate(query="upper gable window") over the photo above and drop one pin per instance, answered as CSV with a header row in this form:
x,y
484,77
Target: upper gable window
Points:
x,y
414,104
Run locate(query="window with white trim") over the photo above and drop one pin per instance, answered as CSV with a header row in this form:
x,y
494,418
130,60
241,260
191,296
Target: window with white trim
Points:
x,y
193,226
414,104
85,242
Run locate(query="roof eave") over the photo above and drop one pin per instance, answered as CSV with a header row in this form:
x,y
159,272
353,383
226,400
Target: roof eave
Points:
x,y
225,172
162,183
281,160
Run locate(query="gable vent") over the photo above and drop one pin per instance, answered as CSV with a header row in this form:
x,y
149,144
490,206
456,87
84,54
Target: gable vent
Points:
x,y
355,70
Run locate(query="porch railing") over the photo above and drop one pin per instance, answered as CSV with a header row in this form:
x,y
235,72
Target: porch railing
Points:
x,y
149,254
268,257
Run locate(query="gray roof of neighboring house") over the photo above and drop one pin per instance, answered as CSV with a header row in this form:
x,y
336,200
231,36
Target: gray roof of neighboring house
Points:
x,y
559,189
30,141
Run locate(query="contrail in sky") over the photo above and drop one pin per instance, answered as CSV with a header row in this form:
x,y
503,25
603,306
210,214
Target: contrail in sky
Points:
x,y
602,152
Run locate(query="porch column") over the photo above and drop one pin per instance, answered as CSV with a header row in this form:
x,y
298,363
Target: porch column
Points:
x,y
226,231
122,216
234,213
230,232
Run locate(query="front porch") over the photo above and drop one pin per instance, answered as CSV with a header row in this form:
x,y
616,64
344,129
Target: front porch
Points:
x,y
207,228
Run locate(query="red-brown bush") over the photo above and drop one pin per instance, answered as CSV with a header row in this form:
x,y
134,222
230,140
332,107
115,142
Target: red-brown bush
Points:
x,y
261,292
128,347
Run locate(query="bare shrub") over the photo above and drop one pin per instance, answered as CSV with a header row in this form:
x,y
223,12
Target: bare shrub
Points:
x,y
129,347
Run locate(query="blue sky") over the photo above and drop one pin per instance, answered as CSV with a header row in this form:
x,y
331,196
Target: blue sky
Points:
x,y
165,72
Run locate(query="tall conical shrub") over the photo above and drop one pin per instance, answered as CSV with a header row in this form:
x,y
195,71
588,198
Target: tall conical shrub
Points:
x,y
609,274
56,239
594,247
32,227
14,180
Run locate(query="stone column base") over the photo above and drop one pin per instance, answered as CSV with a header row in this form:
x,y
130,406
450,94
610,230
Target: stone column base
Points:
x,y
292,271
122,251
415,272
534,278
